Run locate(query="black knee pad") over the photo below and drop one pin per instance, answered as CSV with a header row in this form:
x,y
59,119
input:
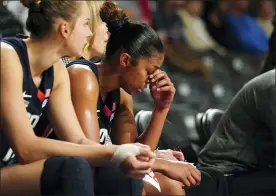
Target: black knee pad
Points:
x,y
67,176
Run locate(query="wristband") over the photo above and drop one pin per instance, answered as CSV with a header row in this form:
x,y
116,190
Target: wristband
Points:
x,y
123,151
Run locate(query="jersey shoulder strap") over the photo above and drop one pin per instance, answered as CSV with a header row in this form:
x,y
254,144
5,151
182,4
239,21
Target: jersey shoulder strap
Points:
x,y
83,61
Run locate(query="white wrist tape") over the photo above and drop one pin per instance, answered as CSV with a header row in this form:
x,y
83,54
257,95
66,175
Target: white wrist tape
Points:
x,y
123,151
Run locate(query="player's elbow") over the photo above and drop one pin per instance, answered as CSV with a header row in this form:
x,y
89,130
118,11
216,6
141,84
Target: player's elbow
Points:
x,y
29,153
26,156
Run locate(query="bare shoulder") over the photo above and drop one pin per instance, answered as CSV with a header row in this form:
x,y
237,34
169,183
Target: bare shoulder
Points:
x,y
10,62
60,74
8,53
7,47
79,70
82,76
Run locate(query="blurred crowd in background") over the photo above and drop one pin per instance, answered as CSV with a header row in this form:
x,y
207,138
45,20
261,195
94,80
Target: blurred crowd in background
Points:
x,y
213,47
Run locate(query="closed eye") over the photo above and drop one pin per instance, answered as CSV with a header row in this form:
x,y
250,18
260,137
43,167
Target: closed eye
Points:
x,y
157,67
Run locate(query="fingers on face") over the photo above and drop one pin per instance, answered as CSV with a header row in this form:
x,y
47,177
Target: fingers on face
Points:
x,y
151,76
166,89
158,75
160,79
163,82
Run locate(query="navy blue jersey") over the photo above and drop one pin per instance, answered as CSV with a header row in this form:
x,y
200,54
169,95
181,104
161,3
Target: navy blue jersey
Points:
x,y
105,108
35,99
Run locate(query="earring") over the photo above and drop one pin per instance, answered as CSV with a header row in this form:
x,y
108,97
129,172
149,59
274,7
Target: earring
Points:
x,y
86,47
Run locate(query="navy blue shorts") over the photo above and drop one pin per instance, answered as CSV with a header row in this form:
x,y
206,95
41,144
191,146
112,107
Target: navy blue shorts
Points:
x,y
111,180
67,176
74,176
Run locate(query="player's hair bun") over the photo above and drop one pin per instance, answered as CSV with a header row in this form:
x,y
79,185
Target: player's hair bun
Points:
x,y
114,17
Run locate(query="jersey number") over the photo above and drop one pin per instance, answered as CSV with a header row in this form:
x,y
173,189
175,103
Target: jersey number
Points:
x,y
33,119
103,135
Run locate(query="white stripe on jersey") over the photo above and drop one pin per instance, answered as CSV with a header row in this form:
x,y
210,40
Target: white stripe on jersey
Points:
x,y
8,156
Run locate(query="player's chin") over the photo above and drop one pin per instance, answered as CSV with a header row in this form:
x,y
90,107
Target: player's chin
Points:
x,y
134,91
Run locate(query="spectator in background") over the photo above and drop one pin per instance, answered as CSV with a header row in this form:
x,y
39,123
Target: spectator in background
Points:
x,y
183,58
19,12
139,10
194,30
131,8
165,20
212,15
9,25
145,9
244,32
168,24
263,10
270,61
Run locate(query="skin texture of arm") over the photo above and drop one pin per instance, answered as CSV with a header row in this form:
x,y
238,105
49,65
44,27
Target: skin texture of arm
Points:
x,y
181,171
85,93
17,127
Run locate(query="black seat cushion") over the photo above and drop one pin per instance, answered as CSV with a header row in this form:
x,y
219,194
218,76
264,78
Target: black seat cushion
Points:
x,y
207,122
211,122
172,135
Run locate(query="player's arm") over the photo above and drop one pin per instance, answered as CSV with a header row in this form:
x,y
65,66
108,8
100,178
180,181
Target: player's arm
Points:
x,y
124,129
85,93
17,127
181,171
